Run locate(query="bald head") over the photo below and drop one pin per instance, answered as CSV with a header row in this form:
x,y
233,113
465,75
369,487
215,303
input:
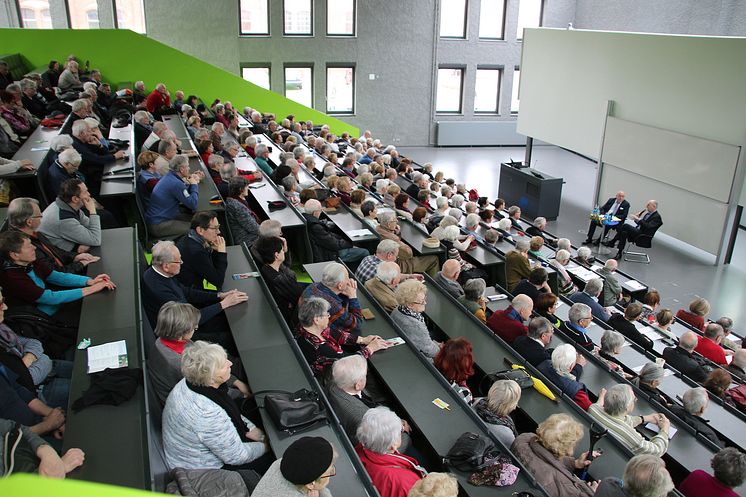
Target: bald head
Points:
x,y
688,341
739,358
620,196
524,305
611,265
652,205
451,269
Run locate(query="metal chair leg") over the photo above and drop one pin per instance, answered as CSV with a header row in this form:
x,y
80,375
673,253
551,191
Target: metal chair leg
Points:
x,y
641,257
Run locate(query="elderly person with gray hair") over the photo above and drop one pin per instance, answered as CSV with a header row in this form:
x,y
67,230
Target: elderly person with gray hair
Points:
x,y
729,473
612,288
340,291
348,398
517,266
203,427
584,256
64,168
649,379
589,296
613,411
326,244
262,159
576,327
502,399
380,436
738,366
474,299
383,285
322,345
644,476
695,401
611,345
709,344
160,286
177,322
411,296
562,370
176,190
682,358
564,280
94,155
388,228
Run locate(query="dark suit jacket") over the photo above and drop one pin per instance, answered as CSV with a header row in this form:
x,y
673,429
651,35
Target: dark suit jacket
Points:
x,y
534,231
698,424
157,290
651,225
627,328
200,263
413,190
686,363
622,212
531,350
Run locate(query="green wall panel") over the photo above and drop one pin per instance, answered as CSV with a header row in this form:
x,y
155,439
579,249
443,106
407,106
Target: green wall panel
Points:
x,y
123,55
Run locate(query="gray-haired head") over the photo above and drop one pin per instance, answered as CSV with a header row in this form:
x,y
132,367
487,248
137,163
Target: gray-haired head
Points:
x,y
176,320
441,203
612,342
201,361
584,253
79,105
619,400
79,128
713,331
564,244
299,152
538,327
261,149
651,372
688,341
594,287
61,142
578,312
177,162
163,252
70,156
540,222
379,430
726,323
729,467
522,245
513,210
310,309
386,217
563,358
472,221
695,400
388,272
491,236
522,302
349,373
334,273
739,359
562,256
646,476
474,289
20,210
312,206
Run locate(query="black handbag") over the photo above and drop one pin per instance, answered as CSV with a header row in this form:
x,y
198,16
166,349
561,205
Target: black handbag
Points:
x,y
471,452
292,412
520,376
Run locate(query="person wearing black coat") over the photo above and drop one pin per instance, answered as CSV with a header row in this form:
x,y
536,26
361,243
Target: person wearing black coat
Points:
x,y
281,280
647,223
625,324
203,252
533,347
326,245
695,402
682,358
617,207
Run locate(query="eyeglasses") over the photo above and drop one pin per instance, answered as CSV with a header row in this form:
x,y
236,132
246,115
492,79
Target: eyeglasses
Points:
x,y
333,473
175,262
216,228
424,302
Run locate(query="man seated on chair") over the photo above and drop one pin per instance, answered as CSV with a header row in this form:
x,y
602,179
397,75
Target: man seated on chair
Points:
x,y
537,229
647,223
65,223
589,297
203,252
616,206
179,188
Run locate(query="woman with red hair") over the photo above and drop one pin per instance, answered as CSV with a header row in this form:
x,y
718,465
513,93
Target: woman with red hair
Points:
x,y
456,363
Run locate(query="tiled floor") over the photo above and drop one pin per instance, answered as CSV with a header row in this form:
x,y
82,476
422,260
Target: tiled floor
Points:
x,y
678,271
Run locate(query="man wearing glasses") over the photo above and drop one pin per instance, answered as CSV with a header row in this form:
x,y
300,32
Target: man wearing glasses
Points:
x,y
203,252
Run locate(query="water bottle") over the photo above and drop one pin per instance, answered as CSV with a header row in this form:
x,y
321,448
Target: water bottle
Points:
x,y
608,218
595,211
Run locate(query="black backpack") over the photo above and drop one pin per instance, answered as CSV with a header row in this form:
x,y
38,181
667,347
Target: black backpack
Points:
x,y
471,452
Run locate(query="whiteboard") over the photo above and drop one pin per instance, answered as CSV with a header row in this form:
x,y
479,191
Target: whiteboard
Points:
x,y
692,218
690,163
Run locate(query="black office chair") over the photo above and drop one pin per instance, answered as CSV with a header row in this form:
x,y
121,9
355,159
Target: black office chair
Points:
x,y
642,241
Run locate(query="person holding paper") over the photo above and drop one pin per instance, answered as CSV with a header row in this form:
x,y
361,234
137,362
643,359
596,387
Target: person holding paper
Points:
x,y
613,411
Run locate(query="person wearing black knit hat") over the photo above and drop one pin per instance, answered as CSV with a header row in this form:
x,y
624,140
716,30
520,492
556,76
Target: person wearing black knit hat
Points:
x,y
304,470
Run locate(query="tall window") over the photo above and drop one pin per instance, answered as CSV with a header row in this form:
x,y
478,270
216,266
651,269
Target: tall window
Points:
x,y
83,14
257,75
514,97
297,17
254,15
529,15
340,90
453,18
299,85
492,19
130,15
450,82
486,91
340,17
35,14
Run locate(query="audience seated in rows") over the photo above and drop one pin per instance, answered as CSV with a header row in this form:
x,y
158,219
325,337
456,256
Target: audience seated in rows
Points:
x,y
682,358
203,252
388,228
589,296
508,323
327,245
281,280
411,296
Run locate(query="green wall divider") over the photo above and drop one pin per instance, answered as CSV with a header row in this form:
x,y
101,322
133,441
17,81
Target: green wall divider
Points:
x,y
123,55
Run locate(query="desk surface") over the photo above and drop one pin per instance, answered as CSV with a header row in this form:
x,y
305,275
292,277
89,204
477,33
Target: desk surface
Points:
x,y
125,185
270,363
35,149
108,434
401,368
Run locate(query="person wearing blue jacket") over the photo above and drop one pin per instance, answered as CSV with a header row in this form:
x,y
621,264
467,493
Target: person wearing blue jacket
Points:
x,y
176,190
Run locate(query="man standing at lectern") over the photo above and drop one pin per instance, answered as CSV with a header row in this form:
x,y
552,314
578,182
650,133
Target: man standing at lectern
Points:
x,y
616,206
647,222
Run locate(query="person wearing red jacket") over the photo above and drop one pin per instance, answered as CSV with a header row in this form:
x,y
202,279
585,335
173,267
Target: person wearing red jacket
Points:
x,y
709,345
508,323
379,434
158,100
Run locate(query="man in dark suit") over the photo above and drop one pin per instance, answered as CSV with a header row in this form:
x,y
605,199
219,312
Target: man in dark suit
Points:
x,y
625,324
682,358
695,402
648,221
616,206
537,229
533,347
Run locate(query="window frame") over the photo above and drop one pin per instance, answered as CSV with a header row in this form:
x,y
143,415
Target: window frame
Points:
x,y
518,91
500,73
541,19
298,35
337,35
144,17
502,28
68,13
339,65
241,34
20,16
466,23
257,65
298,65
460,110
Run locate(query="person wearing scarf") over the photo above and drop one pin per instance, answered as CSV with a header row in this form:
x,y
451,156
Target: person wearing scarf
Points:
x,y
495,409
202,426
412,298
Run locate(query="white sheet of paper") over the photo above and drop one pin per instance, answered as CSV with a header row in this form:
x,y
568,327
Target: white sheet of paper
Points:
x,y
357,233
496,297
671,430
108,355
635,285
